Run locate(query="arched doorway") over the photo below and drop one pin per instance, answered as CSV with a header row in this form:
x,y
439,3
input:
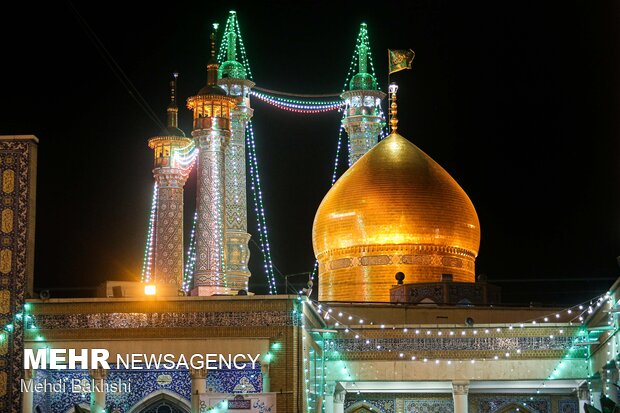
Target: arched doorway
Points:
x,y
162,402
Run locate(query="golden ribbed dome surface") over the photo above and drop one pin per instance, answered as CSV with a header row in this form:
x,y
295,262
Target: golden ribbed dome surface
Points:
x,y
394,210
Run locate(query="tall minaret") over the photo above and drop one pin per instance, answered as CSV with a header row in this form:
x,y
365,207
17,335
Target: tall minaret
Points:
x,y
211,132
170,178
362,120
232,76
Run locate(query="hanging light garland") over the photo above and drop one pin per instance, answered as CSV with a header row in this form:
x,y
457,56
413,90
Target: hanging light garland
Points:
x,y
298,100
147,263
358,328
299,106
580,313
185,157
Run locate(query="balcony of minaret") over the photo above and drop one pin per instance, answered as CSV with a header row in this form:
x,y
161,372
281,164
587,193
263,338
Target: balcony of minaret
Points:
x,y
210,112
362,121
163,150
240,89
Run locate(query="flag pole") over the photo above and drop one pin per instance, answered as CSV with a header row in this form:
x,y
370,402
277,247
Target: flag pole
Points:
x,y
389,94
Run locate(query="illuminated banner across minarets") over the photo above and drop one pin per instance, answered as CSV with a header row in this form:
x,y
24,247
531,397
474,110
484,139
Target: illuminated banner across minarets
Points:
x,y
170,176
362,120
212,115
232,76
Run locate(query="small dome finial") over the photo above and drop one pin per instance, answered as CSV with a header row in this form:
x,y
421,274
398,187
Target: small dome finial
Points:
x,y
393,107
212,66
172,124
213,37
173,89
173,110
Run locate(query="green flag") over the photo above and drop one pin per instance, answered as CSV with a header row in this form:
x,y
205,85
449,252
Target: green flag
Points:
x,y
400,59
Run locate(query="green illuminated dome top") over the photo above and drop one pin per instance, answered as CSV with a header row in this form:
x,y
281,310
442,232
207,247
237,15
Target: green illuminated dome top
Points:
x,y
363,81
232,69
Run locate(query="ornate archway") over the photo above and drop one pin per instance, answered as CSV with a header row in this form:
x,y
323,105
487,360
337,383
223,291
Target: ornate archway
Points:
x,y
162,401
362,407
514,408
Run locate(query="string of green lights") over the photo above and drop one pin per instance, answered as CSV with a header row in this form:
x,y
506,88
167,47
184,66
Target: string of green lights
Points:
x,y
299,106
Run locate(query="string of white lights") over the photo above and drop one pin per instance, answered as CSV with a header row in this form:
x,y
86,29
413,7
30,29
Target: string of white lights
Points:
x,y
190,261
578,312
259,209
147,263
353,326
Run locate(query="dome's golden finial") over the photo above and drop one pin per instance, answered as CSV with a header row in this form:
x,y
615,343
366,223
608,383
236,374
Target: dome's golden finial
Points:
x,y
393,88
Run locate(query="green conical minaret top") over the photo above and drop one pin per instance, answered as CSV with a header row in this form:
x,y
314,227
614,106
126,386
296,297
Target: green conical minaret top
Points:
x,y
231,68
363,80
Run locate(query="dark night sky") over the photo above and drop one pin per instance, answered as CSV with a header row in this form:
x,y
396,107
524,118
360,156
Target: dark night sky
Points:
x,y
518,100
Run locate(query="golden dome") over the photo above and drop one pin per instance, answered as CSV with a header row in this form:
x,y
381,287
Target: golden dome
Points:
x,y
395,209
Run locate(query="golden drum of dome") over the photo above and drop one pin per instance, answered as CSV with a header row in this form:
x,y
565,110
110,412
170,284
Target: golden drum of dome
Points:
x,y
394,210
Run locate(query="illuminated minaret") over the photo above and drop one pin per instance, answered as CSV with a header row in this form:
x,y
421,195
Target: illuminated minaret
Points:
x,y
170,177
211,132
362,120
232,76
